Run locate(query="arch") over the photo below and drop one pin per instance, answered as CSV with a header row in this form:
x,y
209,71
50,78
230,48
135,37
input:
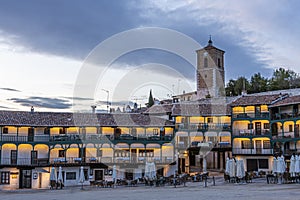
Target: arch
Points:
x,y
137,145
152,146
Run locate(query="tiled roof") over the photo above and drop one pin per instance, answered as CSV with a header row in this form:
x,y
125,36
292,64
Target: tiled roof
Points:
x,y
160,109
288,101
20,118
196,109
248,100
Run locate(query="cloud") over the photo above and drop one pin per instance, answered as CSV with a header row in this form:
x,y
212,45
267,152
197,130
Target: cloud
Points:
x,y
43,102
10,89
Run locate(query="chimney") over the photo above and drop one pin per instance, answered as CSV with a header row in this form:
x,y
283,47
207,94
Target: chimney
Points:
x,y
32,109
94,109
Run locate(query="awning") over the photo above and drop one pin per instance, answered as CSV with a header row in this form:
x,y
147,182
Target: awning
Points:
x,y
181,133
225,133
194,134
211,134
41,170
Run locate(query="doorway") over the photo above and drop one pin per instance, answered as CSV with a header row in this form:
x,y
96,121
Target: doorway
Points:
x,y
25,178
98,175
258,146
258,128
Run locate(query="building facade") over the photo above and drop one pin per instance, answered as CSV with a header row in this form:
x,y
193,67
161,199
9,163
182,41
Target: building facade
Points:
x,y
34,142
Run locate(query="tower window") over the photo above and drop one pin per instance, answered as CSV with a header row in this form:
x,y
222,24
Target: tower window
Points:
x,y
205,76
205,62
219,62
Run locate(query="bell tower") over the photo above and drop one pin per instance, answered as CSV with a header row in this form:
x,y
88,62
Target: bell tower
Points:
x,y
210,71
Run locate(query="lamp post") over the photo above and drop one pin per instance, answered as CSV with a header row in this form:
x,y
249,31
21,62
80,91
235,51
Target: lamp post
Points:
x,y
107,99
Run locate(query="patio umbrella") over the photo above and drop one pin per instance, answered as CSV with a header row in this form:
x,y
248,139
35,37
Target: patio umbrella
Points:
x,y
227,167
281,167
274,165
153,171
297,164
147,170
232,168
81,177
53,176
292,166
240,170
204,165
60,177
114,174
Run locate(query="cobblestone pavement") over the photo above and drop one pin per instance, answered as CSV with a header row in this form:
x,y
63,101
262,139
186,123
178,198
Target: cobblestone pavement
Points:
x,y
257,190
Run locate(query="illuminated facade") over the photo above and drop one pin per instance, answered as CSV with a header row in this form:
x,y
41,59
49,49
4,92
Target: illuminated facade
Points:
x,y
33,142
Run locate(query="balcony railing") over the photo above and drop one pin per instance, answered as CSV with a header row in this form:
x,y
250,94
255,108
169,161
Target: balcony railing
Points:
x,y
263,115
77,137
204,126
250,132
286,115
255,151
110,160
25,161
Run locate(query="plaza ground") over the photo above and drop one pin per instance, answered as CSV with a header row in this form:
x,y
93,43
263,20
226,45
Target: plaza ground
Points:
x,y
257,190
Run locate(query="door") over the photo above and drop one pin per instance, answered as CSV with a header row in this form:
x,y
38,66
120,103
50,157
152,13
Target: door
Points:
x,y
25,178
257,111
258,146
82,153
40,180
252,165
98,175
258,128
129,174
296,130
13,157
192,158
133,155
30,134
34,157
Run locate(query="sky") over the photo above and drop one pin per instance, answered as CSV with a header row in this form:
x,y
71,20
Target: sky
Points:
x,y
44,45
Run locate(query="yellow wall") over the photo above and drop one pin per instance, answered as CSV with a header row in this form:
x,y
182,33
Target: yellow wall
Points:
x,y
179,120
249,109
237,109
107,130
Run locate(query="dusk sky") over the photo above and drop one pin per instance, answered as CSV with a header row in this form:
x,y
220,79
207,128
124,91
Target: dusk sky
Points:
x,y
43,45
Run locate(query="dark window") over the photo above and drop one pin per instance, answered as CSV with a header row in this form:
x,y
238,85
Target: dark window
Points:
x,y
61,153
219,62
267,144
205,62
86,175
5,130
290,128
5,177
155,131
99,152
263,164
210,120
62,131
71,176
266,126
47,131
250,126
246,144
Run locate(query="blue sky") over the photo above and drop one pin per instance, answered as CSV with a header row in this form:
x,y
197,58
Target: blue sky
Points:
x,y
44,43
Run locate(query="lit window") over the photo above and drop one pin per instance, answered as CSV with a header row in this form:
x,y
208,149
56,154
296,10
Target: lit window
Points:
x,y
5,177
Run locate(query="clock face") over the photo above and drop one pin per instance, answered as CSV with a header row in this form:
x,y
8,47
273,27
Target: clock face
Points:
x,y
205,54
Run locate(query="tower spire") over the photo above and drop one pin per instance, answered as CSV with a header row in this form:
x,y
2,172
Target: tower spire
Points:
x,y
210,41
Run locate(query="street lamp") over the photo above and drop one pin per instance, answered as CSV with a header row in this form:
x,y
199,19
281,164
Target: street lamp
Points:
x,y
107,99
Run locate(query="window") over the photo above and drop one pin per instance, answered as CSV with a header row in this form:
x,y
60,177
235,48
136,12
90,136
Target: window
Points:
x,y
5,177
155,131
219,62
86,175
61,153
210,120
250,126
5,130
71,176
290,128
266,126
62,131
205,62
205,76
99,152
267,144
246,144
263,164
47,131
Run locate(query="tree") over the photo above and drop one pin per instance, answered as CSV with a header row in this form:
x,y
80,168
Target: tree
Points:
x,y
280,79
150,100
258,84
229,89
